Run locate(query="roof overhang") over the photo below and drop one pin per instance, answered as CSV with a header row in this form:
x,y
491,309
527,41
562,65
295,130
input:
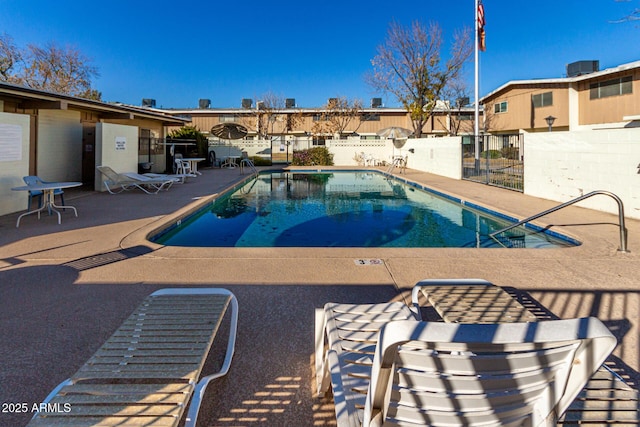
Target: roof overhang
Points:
x,y
29,98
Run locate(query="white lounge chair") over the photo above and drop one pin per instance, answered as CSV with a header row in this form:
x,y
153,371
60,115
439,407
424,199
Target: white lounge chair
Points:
x,y
151,367
352,328
434,373
117,182
178,177
166,180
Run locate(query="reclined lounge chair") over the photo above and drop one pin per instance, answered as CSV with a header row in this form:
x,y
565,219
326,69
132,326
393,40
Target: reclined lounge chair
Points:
x,y
411,372
155,177
146,373
178,177
118,182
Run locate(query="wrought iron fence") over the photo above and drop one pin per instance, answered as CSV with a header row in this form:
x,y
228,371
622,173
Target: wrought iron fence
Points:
x,y
499,161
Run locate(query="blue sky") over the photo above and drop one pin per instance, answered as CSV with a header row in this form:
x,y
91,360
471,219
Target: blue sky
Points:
x,y
179,52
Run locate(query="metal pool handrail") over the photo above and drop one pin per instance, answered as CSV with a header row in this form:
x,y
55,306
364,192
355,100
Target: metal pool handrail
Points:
x,y
250,164
399,162
621,223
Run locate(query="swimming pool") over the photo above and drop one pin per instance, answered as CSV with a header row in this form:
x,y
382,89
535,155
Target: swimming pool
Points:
x,y
344,209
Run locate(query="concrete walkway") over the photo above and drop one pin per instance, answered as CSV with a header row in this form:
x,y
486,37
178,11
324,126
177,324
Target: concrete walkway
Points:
x,y
65,288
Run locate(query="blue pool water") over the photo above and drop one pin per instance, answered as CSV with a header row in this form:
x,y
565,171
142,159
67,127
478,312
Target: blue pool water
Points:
x,y
343,209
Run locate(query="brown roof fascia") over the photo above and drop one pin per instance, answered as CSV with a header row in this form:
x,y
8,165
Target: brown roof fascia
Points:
x,y
34,98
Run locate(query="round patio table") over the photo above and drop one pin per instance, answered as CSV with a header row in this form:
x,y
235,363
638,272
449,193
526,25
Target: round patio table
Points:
x,y
193,163
230,162
47,189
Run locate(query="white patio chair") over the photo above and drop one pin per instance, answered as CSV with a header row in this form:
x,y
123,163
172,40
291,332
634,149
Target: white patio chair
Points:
x,y
433,373
183,167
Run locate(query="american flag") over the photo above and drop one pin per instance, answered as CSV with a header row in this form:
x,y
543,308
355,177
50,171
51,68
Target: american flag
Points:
x,y
481,34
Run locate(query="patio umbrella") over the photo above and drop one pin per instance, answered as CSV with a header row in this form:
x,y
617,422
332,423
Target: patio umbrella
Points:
x,y
229,131
397,134
394,132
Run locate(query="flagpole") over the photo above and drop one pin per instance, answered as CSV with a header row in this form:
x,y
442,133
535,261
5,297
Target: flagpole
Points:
x,y
476,129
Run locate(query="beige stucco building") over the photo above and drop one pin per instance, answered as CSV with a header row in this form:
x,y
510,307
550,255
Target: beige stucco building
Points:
x,y
590,100
316,123
64,138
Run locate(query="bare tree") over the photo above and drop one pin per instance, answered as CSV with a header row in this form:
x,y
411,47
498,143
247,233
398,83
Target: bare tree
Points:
x,y
57,69
63,70
272,117
408,65
456,94
268,113
10,58
634,15
338,114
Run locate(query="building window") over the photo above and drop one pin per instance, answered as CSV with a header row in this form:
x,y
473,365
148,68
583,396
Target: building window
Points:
x,y
466,117
500,107
225,118
542,99
370,117
612,87
318,118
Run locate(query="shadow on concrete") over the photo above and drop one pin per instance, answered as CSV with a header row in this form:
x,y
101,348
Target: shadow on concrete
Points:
x,y
97,209
271,378
618,327
51,326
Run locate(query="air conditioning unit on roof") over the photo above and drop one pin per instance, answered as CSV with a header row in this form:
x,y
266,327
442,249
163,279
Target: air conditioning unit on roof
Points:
x,y
580,68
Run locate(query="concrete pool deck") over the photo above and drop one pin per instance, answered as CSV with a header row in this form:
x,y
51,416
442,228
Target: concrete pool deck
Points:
x,y
65,288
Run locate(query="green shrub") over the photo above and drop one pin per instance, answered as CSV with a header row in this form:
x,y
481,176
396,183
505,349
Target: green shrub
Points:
x,y
511,153
261,161
493,154
192,133
316,156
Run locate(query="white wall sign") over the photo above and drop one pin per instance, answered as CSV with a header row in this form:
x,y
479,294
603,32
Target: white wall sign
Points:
x,y
121,142
10,143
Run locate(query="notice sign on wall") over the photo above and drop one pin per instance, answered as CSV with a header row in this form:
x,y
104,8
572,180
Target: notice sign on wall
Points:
x,y
121,143
10,143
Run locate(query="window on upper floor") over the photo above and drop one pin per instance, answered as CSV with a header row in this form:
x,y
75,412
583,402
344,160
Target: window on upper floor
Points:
x,y
613,87
370,117
542,99
500,107
225,118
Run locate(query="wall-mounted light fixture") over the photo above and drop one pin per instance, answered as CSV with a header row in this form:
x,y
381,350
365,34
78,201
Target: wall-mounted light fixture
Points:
x,y
550,120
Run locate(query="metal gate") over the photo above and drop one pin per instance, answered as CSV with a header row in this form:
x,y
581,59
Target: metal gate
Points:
x,y
281,152
499,162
